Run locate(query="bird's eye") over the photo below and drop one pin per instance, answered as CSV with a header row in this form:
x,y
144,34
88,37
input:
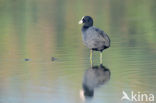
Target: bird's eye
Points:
x,y
84,20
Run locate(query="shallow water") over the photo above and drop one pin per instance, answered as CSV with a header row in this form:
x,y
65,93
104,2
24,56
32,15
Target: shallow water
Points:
x,y
43,59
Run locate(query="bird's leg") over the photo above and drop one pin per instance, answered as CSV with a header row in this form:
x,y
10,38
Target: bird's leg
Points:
x,y
91,57
100,57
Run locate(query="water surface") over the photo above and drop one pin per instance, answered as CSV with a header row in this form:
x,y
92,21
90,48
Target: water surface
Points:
x,y
43,59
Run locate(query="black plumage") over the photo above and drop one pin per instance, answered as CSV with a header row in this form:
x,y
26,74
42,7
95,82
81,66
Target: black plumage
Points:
x,y
94,38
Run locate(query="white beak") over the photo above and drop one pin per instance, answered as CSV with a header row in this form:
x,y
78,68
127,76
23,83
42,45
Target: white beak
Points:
x,y
80,22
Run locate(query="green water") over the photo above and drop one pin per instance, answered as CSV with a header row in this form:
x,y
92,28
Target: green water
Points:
x,y
34,31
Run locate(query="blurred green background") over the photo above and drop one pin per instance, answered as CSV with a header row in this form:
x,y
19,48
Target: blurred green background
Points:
x,y
40,29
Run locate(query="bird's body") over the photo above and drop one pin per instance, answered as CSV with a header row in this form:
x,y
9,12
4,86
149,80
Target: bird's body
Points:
x,y
93,38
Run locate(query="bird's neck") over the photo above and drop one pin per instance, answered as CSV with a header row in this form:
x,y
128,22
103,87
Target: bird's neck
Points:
x,y
85,27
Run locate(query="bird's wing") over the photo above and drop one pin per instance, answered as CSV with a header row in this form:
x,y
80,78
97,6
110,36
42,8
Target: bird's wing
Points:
x,y
101,34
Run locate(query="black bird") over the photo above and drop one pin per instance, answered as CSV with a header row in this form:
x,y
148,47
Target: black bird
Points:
x,y
94,38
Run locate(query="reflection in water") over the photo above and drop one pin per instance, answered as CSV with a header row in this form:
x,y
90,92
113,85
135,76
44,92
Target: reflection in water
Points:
x,y
42,57
94,77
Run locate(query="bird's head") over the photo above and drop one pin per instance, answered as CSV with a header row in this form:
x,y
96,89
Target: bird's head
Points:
x,y
86,21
